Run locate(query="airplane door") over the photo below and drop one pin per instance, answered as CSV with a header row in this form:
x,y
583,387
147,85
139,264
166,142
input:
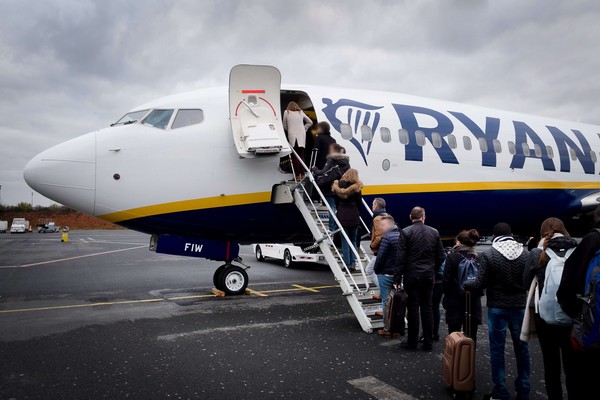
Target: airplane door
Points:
x,y
254,107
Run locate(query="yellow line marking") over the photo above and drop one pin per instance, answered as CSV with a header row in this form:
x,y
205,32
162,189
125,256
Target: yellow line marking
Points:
x,y
264,197
71,258
305,288
261,294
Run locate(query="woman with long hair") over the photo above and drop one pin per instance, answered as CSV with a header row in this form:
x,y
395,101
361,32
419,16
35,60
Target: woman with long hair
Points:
x,y
296,123
454,296
555,340
348,193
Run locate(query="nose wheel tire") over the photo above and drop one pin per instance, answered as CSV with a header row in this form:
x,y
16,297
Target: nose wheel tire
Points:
x,y
259,254
233,280
217,276
287,259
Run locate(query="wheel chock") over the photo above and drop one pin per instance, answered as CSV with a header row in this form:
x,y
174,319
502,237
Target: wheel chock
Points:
x,y
217,292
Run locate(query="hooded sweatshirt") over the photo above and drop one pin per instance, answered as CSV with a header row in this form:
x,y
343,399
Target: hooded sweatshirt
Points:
x,y
501,273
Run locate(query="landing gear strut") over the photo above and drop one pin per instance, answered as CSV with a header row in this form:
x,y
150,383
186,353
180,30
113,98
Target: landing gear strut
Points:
x,y
231,279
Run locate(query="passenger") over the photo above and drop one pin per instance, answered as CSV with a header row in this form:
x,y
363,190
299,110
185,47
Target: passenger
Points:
x,y
454,296
348,202
337,165
572,286
554,339
323,143
385,262
420,255
377,232
501,273
296,123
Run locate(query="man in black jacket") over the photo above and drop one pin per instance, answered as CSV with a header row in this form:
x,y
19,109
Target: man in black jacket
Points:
x,y
420,256
501,271
572,285
322,143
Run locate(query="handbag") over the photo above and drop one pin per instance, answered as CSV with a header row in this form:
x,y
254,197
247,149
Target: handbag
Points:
x,y
528,328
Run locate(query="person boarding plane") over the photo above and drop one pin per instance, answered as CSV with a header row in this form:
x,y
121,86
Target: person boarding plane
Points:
x,y
198,170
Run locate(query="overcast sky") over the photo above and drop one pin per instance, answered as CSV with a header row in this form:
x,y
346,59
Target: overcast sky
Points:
x,y
68,67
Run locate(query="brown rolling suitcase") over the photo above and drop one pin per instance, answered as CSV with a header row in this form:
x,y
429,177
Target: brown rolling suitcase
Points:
x,y
458,361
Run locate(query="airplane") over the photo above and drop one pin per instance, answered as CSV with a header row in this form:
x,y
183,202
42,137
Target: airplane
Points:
x,y
199,170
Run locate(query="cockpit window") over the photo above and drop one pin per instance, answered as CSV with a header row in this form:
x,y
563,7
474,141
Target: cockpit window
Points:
x,y
158,118
131,117
186,118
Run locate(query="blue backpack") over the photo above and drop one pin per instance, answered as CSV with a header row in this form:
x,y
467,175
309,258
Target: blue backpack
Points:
x,y
587,326
468,268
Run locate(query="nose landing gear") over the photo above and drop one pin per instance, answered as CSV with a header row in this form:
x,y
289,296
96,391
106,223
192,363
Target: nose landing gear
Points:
x,y
231,279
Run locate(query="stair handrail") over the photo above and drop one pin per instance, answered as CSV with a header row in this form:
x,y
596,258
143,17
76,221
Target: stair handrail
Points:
x,y
345,237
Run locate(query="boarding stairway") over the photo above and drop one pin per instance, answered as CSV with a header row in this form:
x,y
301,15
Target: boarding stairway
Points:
x,y
356,286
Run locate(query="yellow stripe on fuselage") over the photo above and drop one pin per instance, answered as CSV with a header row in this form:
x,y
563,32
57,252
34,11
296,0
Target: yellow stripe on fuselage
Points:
x,y
265,197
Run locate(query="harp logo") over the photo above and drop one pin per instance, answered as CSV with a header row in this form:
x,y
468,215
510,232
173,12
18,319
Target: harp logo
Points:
x,y
357,115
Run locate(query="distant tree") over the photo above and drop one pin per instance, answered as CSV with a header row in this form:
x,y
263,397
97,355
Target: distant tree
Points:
x,y
54,207
24,207
3,208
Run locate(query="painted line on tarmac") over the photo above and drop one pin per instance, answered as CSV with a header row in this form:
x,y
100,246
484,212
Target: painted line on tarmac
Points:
x,y
263,325
254,292
70,258
379,389
153,300
305,288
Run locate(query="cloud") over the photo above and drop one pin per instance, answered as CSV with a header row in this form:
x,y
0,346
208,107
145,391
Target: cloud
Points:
x,y
70,66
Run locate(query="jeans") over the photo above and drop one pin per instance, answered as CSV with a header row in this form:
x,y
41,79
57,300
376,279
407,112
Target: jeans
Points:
x,y
386,282
499,320
347,253
370,271
436,300
555,341
420,293
331,201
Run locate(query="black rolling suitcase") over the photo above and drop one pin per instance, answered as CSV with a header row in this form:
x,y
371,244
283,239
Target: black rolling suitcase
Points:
x,y
395,311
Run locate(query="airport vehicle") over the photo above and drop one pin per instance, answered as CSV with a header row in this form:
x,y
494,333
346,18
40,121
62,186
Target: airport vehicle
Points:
x,y
19,225
48,227
289,253
199,170
3,226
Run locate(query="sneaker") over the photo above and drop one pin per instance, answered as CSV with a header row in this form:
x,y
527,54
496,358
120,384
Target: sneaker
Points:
x,y
384,333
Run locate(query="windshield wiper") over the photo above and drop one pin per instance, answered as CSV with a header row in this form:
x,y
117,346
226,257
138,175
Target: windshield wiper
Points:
x,y
124,123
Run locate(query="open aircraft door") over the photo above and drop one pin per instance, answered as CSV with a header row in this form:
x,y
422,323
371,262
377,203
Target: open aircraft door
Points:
x,y
254,111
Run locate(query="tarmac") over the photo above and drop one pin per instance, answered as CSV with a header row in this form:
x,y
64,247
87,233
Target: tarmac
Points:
x,y
102,317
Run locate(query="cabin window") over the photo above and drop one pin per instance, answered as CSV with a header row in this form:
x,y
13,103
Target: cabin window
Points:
x,y
512,149
497,146
187,118
346,131
550,151
403,135
158,118
467,143
483,145
436,140
366,133
573,154
386,135
538,150
131,117
451,141
525,148
420,137
593,156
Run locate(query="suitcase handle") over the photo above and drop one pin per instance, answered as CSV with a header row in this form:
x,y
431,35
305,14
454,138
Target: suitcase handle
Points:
x,y
468,321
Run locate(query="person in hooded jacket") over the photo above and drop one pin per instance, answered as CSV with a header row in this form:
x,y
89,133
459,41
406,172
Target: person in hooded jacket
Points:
x,y
385,263
336,166
323,142
348,192
377,231
454,297
554,340
501,272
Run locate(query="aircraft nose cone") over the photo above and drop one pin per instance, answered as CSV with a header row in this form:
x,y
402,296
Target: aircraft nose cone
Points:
x,y
66,173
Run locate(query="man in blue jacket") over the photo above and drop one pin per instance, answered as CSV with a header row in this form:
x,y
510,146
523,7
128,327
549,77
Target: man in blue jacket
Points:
x,y
385,262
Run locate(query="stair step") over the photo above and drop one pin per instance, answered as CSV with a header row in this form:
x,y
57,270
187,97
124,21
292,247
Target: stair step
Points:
x,y
370,301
